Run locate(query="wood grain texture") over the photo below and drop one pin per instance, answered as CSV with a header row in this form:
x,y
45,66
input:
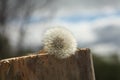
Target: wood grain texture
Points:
x,y
47,67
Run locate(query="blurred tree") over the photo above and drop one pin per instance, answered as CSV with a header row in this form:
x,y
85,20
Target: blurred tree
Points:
x,y
107,70
10,10
4,43
3,6
21,10
4,47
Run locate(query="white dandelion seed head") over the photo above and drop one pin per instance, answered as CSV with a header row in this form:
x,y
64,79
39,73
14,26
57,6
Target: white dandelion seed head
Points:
x,y
60,42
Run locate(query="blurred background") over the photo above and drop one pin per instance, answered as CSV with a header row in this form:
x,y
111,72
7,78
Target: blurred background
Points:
x,y
94,23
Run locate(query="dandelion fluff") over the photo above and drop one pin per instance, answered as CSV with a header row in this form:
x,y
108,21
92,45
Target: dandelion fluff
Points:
x,y
59,42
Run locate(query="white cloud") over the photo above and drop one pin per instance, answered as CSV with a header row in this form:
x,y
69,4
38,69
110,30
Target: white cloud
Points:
x,y
104,49
34,35
83,31
103,22
79,5
12,33
74,7
84,3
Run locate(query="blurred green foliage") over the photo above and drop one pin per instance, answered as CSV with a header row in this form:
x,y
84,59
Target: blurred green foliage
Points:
x,y
107,68
5,50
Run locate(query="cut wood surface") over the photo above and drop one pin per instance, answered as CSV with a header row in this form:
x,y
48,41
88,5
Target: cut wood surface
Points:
x,y
47,67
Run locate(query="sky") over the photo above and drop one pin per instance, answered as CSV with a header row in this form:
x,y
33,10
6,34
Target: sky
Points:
x,y
94,23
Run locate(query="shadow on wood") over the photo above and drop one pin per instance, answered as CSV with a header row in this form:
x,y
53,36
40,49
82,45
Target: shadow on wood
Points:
x,y
47,67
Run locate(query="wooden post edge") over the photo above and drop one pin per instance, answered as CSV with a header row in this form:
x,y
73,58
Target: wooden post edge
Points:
x,y
47,67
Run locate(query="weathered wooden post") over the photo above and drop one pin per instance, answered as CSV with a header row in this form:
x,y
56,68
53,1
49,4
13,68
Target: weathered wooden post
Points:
x,y
47,67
